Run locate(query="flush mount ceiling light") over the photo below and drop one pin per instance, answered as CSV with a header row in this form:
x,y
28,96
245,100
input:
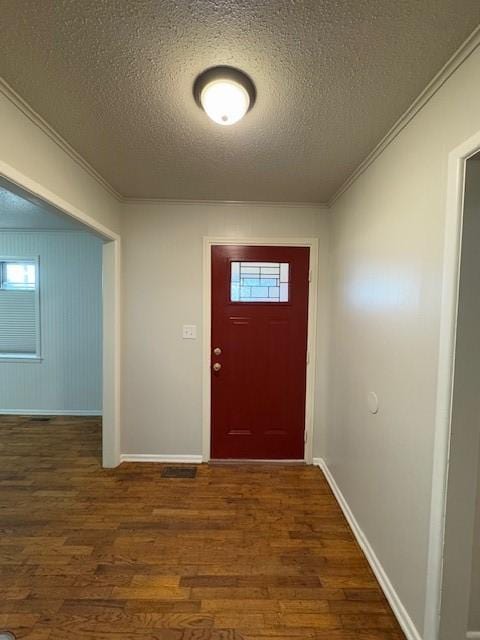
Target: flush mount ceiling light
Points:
x,y
225,94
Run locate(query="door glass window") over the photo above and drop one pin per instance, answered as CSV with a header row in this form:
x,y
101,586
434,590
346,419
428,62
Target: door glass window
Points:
x,y
259,282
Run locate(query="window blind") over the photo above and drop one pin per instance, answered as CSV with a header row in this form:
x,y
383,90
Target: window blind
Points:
x,y
18,322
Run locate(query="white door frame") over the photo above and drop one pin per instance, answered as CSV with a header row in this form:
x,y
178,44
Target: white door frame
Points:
x,y
448,323
312,244
111,309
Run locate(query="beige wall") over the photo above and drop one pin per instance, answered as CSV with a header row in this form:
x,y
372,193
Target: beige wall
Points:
x,y
387,253
162,290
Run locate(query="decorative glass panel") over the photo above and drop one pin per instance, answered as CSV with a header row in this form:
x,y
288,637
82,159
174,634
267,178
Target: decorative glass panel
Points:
x,y
259,282
18,275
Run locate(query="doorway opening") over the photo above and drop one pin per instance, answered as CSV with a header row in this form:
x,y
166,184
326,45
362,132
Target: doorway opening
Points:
x,y
59,344
460,598
452,573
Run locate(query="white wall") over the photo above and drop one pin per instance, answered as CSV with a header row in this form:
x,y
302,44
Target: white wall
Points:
x,y
162,289
387,243
69,377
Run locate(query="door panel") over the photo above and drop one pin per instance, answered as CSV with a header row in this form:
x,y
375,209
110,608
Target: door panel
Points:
x,y
258,393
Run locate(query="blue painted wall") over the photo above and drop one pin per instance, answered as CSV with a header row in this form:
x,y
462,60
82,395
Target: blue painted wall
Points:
x,y
69,378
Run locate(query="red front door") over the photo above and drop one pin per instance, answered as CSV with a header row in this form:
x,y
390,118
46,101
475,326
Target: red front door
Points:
x,y
259,351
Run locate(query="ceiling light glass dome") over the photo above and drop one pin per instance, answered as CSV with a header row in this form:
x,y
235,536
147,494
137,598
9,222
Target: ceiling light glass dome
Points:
x,y
225,94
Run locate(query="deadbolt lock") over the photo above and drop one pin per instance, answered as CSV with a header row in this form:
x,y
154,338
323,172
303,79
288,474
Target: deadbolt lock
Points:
x,y
217,366
217,351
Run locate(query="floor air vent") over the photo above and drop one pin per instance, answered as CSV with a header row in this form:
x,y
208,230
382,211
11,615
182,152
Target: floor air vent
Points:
x,y
177,472
36,419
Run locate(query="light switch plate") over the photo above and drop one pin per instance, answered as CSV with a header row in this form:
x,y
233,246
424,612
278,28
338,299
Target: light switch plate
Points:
x,y
189,332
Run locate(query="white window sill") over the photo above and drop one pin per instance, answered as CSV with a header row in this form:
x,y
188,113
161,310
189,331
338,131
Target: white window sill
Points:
x,y
19,357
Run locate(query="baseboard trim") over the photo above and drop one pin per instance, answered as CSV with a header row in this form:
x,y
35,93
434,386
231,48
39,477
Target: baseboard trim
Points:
x,y
145,457
254,461
49,412
392,596
473,635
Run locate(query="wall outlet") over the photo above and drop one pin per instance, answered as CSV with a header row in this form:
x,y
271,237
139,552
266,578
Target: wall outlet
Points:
x,y
189,332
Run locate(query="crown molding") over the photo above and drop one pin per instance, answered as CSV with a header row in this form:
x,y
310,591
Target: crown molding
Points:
x,y
40,122
36,230
257,203
37,119
462,53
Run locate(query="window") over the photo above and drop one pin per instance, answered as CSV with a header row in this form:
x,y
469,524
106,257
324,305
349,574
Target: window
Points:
x,y
19,275
19,309
259,282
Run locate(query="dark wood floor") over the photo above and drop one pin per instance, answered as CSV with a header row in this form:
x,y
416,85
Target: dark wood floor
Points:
x,y
240,553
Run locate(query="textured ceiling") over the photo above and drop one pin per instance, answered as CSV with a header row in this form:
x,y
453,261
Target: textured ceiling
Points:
x,y
21,211
114,78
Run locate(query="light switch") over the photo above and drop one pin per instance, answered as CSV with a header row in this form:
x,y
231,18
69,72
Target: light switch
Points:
x,y
189,332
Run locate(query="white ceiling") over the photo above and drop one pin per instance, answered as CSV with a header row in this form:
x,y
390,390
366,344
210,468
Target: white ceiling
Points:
x,y
115,78
19,210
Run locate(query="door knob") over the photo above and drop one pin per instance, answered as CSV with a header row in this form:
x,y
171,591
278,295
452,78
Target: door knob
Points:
x,y
217,366
217,351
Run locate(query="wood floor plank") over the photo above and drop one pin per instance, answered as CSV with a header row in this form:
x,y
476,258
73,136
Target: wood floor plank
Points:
x,y
244,552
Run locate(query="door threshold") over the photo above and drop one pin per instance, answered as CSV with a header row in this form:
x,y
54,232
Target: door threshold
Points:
x,y
254,461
